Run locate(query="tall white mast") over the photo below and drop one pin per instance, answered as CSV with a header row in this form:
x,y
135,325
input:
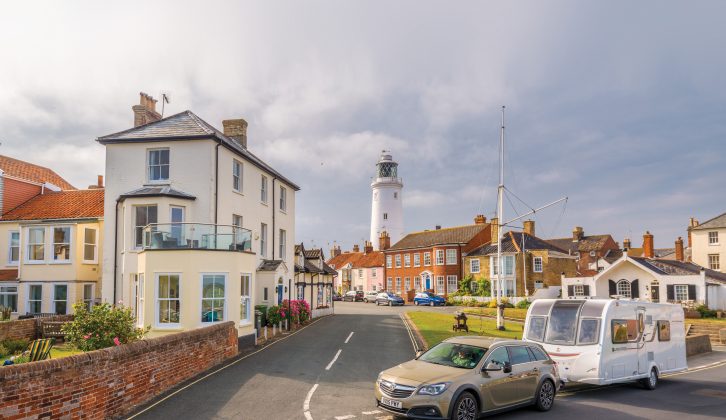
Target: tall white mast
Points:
x,y
500,223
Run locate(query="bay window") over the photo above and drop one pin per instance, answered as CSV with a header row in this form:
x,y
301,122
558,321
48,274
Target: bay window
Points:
x,y
168,301
245,316
213,297
61,244
89,246
14,247
36,244
145,215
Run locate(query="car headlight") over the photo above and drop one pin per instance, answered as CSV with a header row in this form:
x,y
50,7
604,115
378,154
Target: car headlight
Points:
x,y
434,389
380,375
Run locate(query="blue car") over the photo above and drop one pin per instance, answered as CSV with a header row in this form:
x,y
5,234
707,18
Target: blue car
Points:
x,y
426,298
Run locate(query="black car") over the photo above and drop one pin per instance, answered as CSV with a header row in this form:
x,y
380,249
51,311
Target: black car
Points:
x,y
353,296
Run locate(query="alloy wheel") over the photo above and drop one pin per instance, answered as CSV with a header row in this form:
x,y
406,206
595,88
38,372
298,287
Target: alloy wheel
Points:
x,y
466,410
431,303
546,395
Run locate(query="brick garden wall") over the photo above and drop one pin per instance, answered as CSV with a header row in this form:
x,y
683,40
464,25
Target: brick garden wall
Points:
x,y
112,382
18,329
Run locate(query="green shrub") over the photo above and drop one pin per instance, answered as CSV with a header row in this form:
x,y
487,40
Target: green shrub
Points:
x,y
4,351
492,304
263,309
483,287
705,312
103,326
523,304
5,312
273,315
15,346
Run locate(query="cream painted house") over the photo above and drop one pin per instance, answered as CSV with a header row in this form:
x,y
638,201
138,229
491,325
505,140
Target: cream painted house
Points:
x,y
53,248
193,216
708,243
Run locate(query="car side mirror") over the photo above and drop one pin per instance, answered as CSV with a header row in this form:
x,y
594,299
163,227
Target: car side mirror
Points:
x,y
492,367
507,367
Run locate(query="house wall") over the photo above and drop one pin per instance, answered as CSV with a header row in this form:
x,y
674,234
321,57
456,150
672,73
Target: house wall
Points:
x,y
112,382
435,270
701,249
366,282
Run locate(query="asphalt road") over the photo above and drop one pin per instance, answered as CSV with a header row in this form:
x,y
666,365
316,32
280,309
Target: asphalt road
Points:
x,y
316,374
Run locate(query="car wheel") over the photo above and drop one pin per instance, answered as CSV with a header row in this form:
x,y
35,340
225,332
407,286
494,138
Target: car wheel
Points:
x,y
390,303
651,381
432,303
466,407
545,395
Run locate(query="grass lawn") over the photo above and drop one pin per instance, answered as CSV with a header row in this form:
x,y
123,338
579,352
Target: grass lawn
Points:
x,y
63,350
508,312
436,327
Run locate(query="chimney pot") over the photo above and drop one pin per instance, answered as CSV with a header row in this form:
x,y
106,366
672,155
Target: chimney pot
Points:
x,y
236,129
438,227
494,223
384,241
356,248
648,250
529,227
368,247
145,112
480,219
577,233
626,243
679,249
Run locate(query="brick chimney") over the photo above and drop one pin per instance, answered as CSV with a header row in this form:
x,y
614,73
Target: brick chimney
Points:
x,y
648,250
145,112
577,233
529,227
679,249
368,247
356,248
384,241
626,243
236,129
99,184
494,223
691,224
334,251
480,219
438,227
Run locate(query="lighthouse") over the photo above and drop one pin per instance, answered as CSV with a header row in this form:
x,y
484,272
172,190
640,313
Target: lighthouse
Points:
x,y
387,203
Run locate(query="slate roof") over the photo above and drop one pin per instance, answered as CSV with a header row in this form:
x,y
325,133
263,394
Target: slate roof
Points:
x,y
613,255
313,253
453,235
9,274
512,242
162,190
586,244
34,173
187,126
716,222
269,265
329,270
678,268
358,259
53,205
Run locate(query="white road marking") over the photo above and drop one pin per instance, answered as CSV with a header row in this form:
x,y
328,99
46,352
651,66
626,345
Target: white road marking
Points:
x,y
334,359
308,416
384,418
347,339
349,416
306,404
370,413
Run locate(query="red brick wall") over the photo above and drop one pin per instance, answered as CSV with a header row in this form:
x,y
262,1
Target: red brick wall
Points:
x,y
17,192
23,328
112,382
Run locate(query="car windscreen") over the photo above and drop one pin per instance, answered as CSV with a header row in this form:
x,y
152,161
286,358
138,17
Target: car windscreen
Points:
x,y
455,355
562,323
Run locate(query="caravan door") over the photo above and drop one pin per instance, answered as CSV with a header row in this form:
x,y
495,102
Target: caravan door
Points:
x,y
640,344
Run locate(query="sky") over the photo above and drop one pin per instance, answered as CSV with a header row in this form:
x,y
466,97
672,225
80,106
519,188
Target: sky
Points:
x,y
617,105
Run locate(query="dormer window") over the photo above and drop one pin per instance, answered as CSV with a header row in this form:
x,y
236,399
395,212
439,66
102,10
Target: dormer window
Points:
x,y
158,165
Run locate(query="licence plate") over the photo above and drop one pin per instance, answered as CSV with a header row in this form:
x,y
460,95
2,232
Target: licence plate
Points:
x,y
391,403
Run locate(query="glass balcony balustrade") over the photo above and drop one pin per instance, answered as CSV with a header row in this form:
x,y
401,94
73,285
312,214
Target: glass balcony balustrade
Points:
x,y
200,236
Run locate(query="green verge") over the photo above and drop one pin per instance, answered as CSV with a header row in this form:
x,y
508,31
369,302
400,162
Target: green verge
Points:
x,y
63,350
436,327
508,312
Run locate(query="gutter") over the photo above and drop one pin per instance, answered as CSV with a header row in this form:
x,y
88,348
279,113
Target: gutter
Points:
x,y
115,249
216,185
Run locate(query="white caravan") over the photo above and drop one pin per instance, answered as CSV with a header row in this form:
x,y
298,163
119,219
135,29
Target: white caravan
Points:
x,y
605,341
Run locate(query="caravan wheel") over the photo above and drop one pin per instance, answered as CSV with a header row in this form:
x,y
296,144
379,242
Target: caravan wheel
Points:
x,y
651,381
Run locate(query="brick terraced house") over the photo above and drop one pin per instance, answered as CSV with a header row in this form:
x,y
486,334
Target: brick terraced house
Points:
x,y
359,270
432,259
588,249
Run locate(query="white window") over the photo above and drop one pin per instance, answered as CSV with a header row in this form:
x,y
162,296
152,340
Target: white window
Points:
x,y
61,244
360,273
579,290
89,246
427,258
140,296
417,283
385,216
88,296
158,164
145,215
283,242
681,292
245,306
60,299
389,261
407,260
474,265
36,244
714,262
439,257
168,301
623,288
263,189
493,266
35,298
407,284
237,175
283,198
239,240
9,297
439,284
450,257
508,265
398,285
389,284
398,260
213,297
417,260
263,239
14,247
537,264
713,238
452,284
374,273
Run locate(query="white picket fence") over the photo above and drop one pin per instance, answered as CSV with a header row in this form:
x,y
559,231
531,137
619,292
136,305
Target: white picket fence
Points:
x,y
487,299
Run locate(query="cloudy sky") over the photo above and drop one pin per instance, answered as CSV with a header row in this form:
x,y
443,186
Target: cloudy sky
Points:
x,y
619,106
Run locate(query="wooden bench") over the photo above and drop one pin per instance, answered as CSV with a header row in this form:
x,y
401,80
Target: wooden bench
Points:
x,y
52,329
460,325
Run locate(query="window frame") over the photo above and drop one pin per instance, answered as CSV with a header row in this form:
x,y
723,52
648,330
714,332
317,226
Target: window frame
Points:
x,y
263,189
157,300
579,330
389,261
30,244
440,284
407,260
138,229
225,277
451,256
54,298
283,244
4,292
29,300
263,239
70,256
627,336
237,176
11,261
283,199
578,290
88,300
247,297
683,287
417,259
661,335
397,259
449,279
398,284
94,245
713,237
535,261
714,262
442,260
478,266
160,165
427,259
618,288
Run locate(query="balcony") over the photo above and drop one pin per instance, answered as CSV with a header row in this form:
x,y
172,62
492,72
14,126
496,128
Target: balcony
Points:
x,y
201,236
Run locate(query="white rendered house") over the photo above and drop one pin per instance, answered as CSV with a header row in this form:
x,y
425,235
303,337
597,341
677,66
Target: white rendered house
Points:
x,y
387,201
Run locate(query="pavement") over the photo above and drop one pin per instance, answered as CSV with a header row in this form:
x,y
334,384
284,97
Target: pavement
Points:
x,y
327,371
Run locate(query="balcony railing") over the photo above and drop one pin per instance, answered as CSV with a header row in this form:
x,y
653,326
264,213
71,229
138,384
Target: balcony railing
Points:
x,y
197,236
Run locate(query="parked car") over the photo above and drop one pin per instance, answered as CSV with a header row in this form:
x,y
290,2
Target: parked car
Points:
x,y
353,296
337,297
428,298
465,377
370,297
388,298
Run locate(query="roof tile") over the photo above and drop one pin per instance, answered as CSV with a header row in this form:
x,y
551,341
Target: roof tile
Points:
x,y
34,173
453,235
72,204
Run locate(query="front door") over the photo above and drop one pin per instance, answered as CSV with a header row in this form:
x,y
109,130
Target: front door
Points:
x,y
640,343
654,293
279,294
428,282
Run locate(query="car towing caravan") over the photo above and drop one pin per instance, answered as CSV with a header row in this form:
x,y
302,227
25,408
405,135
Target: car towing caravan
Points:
x,y
606,341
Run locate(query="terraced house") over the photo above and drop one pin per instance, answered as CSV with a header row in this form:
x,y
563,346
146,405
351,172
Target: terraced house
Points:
x,y
314,279
359,270
193,220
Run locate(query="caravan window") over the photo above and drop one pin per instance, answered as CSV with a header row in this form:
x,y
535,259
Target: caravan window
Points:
x,y
624,330
589,331
536,328
664,331
562,324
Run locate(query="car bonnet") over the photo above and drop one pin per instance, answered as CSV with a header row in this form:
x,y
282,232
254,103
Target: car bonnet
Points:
x,y
415,372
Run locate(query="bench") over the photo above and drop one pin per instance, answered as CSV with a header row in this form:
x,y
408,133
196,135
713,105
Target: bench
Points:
x,y
460,325
52,329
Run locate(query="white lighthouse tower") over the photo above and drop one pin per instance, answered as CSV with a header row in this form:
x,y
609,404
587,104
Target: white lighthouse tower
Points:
x,y
387,208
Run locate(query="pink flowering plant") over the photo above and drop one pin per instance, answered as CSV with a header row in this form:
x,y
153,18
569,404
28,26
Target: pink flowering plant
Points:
x,y
103,326
298,310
